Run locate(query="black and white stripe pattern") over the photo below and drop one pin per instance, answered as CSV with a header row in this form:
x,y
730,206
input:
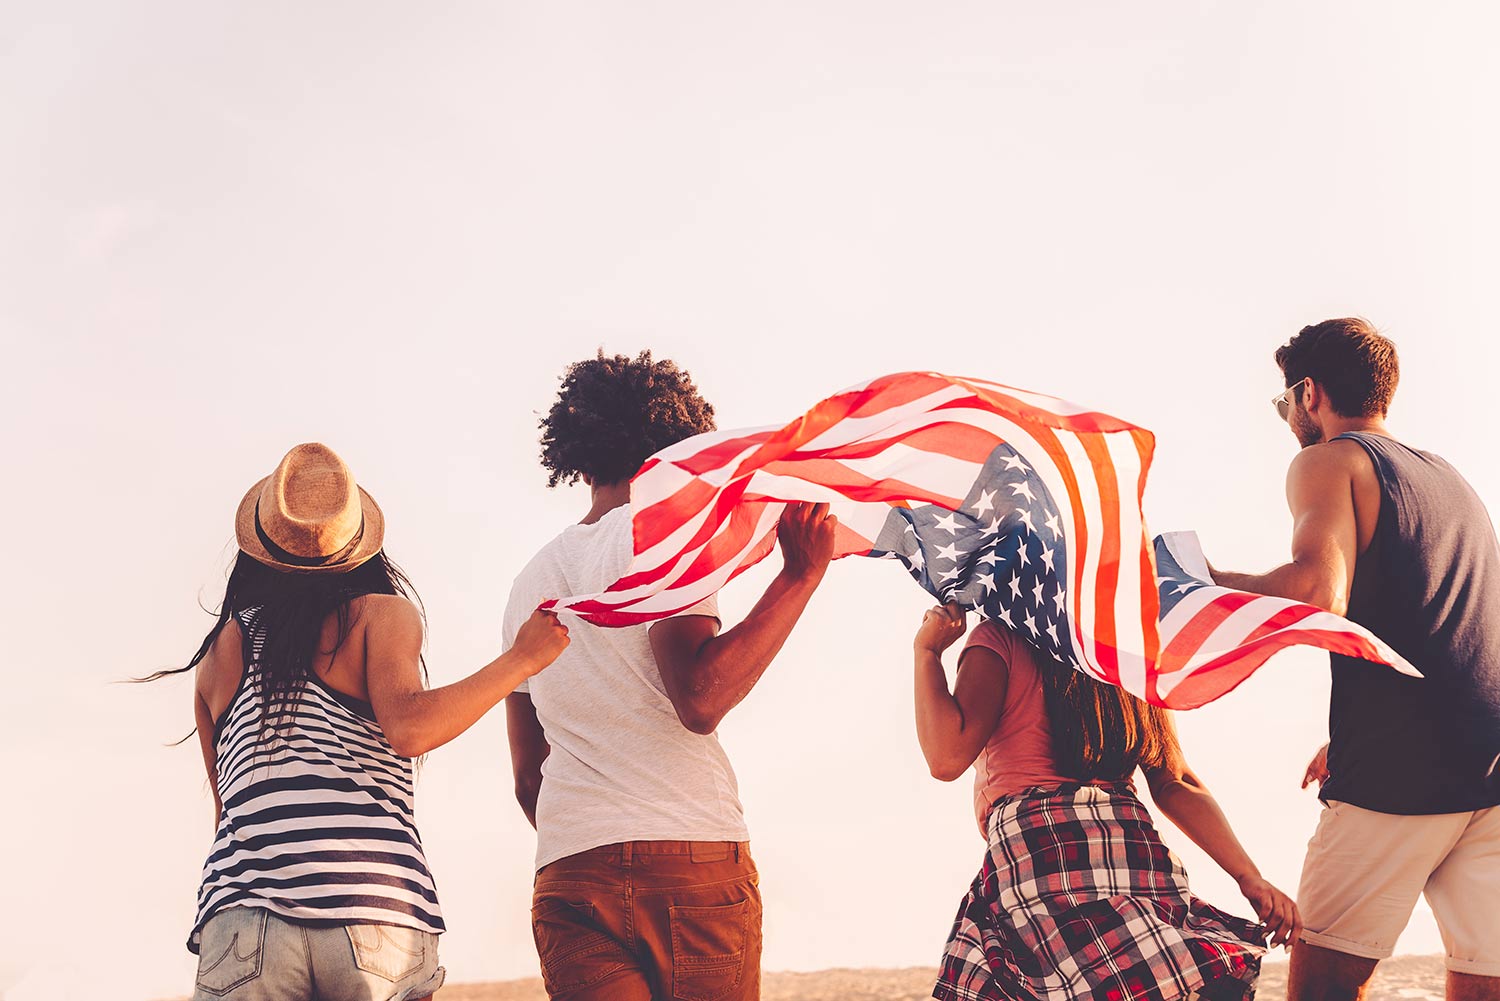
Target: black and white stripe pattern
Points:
x,y
317,823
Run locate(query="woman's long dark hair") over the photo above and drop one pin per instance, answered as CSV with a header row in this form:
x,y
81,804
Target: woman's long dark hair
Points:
x,y
291,609
1100,731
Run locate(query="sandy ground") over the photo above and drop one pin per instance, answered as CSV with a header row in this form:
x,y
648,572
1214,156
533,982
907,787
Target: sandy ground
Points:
x,y
1405,978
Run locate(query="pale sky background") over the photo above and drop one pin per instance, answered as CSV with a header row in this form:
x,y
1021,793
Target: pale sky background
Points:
x,y
226,229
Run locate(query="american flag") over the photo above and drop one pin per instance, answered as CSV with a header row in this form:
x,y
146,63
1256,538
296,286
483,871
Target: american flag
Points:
x,y
1019,506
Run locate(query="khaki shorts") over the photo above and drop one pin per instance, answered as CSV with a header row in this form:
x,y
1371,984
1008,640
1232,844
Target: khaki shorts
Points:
x,y
1365,870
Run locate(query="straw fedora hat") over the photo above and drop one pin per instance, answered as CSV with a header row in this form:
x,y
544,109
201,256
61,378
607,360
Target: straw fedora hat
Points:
x,y
310,515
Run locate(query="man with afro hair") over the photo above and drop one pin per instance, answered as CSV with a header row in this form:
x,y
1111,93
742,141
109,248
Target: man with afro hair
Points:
x,y
645,887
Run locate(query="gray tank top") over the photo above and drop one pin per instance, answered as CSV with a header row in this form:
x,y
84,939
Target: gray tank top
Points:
x,y
1429,585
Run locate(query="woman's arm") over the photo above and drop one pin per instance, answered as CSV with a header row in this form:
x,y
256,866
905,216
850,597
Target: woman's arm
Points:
x,y
214,684
205,721
415,719
1186,801
953,727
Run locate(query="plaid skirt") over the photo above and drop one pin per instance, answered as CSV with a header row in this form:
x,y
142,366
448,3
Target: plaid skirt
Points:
x,y
1079,898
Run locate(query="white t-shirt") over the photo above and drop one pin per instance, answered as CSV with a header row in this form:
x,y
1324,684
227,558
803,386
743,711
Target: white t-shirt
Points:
x,y
622,766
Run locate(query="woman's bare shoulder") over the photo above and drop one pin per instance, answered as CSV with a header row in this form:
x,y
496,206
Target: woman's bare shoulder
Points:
x,y
386,613
219,670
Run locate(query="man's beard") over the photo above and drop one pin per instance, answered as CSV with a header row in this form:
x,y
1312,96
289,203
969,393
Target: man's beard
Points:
x,y
1308,434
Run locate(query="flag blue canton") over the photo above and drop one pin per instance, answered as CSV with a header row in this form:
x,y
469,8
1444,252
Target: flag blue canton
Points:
x,y
1172,582
1001,554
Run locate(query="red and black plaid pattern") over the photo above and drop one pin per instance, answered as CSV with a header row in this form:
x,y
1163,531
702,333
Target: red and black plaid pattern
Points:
x,y
1079,898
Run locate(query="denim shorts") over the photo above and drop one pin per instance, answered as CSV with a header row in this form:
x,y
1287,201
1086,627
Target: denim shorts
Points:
x,y
250,954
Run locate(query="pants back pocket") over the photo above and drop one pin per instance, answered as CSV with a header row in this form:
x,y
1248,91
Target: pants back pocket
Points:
x,y
231,949
387,950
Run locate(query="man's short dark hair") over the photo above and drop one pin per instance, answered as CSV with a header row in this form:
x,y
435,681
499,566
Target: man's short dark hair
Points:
x,y
613,413
1349,358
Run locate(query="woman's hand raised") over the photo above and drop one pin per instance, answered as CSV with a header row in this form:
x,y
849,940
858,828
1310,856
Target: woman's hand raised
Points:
x,y
941,627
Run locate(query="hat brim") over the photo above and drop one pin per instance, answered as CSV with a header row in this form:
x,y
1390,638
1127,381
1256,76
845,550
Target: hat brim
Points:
x,y
249,539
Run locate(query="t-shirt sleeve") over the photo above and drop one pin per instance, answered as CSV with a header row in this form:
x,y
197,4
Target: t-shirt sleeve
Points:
x,y
1021,669
708,606
991,636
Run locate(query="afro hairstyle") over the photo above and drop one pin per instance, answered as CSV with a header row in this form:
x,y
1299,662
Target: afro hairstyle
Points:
x,y
613,412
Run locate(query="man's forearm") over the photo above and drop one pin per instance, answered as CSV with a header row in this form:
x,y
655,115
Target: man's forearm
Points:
x,y
1290,581
1255,583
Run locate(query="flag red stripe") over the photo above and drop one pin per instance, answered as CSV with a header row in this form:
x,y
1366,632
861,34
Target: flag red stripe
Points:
x,y
655,523
716,455
1049,443
1089,422
1225,673
1186,641
1107,572
1145,446
957,441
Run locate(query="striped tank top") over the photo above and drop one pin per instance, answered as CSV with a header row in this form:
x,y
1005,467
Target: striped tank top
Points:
x,y
317,823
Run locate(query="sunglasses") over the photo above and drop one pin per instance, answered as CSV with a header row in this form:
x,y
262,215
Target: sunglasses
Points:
x,y
1282,401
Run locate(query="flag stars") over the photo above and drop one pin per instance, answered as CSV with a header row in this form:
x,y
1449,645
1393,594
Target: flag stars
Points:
x,y
948,523
1002,552
948,552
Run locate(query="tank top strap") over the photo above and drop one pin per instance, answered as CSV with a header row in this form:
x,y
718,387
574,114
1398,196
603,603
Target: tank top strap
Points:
x,y
1377,443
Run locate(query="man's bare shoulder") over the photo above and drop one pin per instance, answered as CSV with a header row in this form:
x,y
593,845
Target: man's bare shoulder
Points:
x,y
1338,459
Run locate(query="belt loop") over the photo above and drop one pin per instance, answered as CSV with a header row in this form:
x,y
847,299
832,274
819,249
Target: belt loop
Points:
x,y
625,854
736,851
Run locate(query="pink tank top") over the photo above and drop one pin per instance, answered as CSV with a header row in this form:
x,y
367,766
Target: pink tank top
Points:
x,y
1019,753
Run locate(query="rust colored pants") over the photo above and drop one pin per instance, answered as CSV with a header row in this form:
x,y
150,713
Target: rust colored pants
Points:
x,y
648,921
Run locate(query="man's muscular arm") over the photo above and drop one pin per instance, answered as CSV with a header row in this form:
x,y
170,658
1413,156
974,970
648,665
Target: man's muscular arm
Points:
x,y
1325,536
706,673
